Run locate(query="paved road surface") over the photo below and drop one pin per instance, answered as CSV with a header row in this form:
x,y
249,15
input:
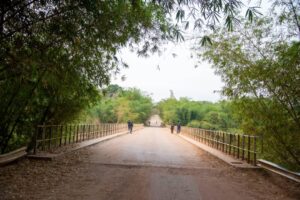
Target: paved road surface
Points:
x,y
155,120
149,164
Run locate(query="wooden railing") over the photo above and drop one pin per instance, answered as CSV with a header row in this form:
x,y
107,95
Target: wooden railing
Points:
x,y
49,137
238,145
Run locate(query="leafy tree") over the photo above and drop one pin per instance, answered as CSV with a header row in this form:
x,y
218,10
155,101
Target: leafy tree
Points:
x,y
119,105
198,114
204,16
54,55
259,64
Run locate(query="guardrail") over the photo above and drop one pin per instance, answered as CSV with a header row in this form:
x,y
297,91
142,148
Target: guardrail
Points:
x,y
279,170
11,156
49,137
240,146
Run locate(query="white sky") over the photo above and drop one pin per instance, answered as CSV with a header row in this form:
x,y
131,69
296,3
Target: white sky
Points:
x,y
175,73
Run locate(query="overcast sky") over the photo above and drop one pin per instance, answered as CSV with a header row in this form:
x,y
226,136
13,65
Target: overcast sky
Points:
x,y
157,75
174,73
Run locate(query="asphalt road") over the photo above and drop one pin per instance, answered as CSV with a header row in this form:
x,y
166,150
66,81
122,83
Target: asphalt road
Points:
x,y
158,165
150,164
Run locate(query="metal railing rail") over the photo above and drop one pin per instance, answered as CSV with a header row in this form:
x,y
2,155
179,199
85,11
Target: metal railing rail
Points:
x,y
49,137
238,145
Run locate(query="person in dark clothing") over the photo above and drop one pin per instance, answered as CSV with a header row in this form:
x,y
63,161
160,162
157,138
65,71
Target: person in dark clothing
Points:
x,y
172,128
178,127
130,126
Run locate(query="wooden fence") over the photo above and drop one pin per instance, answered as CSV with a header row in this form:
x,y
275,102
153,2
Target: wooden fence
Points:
x,y
240,146
49,137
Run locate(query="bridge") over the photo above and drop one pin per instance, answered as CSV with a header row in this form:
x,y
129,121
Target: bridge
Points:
x,y
151,163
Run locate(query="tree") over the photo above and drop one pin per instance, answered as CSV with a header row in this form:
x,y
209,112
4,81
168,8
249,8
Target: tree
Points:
x,y
119,105
54,55
198,114
261,71
206,15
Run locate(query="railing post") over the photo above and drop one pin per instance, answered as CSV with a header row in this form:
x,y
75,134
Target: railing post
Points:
x,y
43,137
217,139
229,143
100,130
93,131
238,144
201,135
56,136
243,147
233,144
74,133
209,138
248,149
77,132
83,133
214,139
223,141
60,135
89,131
254,150
50,138
204,136
35,140
70,133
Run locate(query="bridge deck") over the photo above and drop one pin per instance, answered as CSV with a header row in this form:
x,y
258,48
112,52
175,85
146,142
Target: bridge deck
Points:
x,y
149,164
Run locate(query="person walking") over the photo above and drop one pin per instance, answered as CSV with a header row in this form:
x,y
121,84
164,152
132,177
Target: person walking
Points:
x,y
130,126
178,127
172,128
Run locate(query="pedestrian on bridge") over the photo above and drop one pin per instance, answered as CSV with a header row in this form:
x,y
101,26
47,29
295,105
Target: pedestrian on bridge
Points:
x,y
178,127
130,126
172,128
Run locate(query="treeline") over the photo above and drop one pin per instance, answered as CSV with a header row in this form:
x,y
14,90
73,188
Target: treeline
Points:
x,y
119,105
199,114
